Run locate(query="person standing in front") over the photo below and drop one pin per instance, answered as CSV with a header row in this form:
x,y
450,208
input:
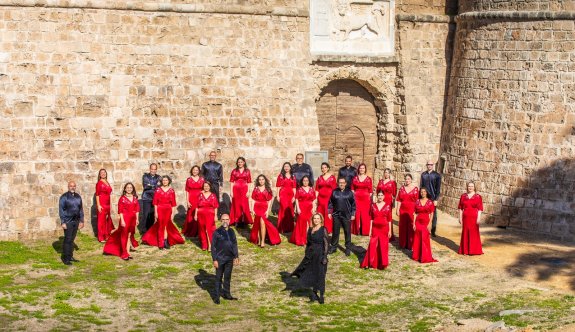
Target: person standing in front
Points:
x,y
342,211
241,180
348,171
431,180
103,193
119,242
286,184
362,187
377,255
324,186
206,215
305,207
72,218
194,185
213,172
150,182
424,210
407,196
470,208
224,256
301,169
163,233
263,228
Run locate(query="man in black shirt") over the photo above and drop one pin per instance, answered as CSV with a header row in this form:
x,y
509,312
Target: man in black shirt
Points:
x,y
150,182
301,169
72,218
431,180
348,172
342,209
225,256
213,172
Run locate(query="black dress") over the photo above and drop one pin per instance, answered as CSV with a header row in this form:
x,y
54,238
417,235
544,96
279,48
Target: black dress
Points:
x,y
313,267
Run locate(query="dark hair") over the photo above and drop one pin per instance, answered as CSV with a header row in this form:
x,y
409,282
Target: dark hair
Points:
x,y
208,183
153,164
282,172
301,180
266,183
342,178
406,175
426,192
199,170
102,169
328,167
349,157
166,177
133,192
242,159
364,165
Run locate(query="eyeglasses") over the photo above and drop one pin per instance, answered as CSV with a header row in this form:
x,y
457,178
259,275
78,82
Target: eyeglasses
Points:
x,y
429,164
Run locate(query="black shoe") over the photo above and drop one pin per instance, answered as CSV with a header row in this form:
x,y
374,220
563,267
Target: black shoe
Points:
x,y
166,244
347,251
331,250
433,234
320,299
229,298
74,260
67,263
313,297
217,300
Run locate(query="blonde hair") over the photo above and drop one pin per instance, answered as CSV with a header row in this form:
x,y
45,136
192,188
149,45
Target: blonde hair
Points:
x,y
320,218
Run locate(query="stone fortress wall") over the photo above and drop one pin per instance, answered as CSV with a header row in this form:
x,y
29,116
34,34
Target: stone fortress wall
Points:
x,y
511,113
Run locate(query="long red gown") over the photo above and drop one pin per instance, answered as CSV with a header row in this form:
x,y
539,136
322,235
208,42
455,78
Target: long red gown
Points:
x,y
206,218
389,190
406,211
262,199
164,201
376,256
324,189
194,188
363,190
240,202
305,201
286,211
118,240
105,223
421,238
470,240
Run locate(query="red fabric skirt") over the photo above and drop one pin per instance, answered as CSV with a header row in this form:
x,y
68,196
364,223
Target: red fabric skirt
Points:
x,y
240,205
322,205
422,240
105,223
360,226
299,234
406,212
207,226
377,256
155,235
118,241
272,234
286,211
190,228
470,240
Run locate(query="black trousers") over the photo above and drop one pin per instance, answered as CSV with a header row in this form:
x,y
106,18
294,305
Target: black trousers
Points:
x,y
224,270
147,215
434,222
69,237
341,222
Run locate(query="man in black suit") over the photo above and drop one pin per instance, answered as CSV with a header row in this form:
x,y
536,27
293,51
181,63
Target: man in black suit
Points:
x,y
348,172
225,256
72,218
341,208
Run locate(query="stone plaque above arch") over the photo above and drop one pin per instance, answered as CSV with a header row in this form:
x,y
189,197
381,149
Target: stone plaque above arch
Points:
x,y
352,28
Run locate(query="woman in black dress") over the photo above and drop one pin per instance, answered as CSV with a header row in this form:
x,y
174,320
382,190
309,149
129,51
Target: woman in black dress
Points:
x,y
312,269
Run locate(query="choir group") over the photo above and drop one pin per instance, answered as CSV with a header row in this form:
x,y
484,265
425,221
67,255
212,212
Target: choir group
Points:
x,y
349,201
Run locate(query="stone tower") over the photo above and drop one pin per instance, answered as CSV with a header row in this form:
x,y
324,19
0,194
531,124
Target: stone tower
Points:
x,y
510,117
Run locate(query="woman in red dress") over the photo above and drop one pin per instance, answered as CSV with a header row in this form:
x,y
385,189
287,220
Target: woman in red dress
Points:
x,y
194,186
262,195
389,189
470,208
286,184
376,256
103,192
128,209
163,233
304,206
362,187
407,196
324,186
240,182
424,209
206,215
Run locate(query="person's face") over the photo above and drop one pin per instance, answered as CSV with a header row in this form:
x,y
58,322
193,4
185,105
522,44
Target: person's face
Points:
x,y
225,221
299,159
212,156
429,166
153,169
407,180
287,168
341,183
380,197
103,174
195,171
206,187
241,163
316,220
423,193
261,181
347,162
305,182
362,170
470,187
165,182
72,187
324,169
129,189
386,174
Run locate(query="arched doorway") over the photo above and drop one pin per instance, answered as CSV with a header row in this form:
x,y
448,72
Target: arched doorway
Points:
x,y
347,123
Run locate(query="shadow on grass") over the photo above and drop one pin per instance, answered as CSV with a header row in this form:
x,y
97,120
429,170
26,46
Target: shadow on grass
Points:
x,y
207,282
57,245
446,242
292,285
